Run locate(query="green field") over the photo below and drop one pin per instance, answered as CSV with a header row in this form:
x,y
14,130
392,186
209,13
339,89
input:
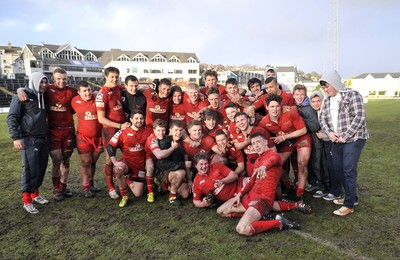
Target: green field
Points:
x,y
80,228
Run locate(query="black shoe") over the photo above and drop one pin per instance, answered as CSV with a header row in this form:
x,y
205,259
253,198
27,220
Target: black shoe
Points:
x,y
66,193
286,223
267,216
303,208
58,196
94,189
175,202
88,194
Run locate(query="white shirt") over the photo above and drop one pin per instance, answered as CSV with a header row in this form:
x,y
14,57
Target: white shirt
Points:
x,y
334,107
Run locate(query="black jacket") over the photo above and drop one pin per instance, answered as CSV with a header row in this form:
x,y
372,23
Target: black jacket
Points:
x,y
26,118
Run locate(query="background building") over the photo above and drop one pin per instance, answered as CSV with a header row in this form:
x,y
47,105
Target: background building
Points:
x,y
8,55
377,84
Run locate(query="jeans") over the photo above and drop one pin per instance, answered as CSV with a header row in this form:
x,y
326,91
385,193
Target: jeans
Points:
x,y
345,159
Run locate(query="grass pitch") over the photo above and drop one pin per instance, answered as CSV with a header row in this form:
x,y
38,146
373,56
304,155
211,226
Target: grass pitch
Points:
x,y
80,228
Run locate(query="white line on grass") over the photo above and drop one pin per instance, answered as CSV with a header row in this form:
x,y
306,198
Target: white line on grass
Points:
x,y
329,245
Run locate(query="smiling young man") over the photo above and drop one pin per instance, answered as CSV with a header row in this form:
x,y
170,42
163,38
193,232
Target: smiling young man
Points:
x,y
343,119
257,197
28,128
111,115
130,169
88,136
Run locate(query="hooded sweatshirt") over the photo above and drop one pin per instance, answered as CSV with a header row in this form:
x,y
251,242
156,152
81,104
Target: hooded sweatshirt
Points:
x,y
346,118
282,85
28,118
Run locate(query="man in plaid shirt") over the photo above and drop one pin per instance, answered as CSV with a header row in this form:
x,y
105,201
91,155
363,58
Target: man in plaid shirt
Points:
x,y
343,120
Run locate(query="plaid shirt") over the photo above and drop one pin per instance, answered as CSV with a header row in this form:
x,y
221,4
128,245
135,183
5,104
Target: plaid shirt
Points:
x,y
352,120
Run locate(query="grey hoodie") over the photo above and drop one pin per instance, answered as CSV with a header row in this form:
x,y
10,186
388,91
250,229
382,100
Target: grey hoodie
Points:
x,y
333,78
28,118
34,86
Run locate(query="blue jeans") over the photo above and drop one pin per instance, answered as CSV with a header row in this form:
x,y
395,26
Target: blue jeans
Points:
x,y
345,159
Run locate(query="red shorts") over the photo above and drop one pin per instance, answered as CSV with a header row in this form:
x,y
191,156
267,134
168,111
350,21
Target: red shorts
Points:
x,y
89,144
135,173
303,141
108,133
62,138
261,203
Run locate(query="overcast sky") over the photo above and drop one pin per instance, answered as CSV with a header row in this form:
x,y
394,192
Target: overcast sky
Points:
x,y
229,32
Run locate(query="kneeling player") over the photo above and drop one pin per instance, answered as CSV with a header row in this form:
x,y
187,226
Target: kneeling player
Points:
x,y
257,198
130,169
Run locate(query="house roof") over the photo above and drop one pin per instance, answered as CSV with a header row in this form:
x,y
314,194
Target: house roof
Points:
x,y
379,75
11,49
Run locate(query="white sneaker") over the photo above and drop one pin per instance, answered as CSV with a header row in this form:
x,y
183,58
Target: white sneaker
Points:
x,y
113,194
40,200
30,208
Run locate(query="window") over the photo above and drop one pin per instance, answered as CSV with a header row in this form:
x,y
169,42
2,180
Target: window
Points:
x,y
72,68
128,70
145,71
158,58
170,71
193,80
70,55
178,79
94,69
140,57
123,57
90,57
178,71
46,53
174,59
156,71
191,60
192,71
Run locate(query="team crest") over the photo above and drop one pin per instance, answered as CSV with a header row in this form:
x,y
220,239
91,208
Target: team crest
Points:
x,y
99,97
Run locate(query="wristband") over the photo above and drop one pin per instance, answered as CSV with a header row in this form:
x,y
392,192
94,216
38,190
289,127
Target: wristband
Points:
x,y
120,126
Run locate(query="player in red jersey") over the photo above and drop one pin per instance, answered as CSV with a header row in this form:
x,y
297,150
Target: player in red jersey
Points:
x,y
272,87
211,81
230,110
130,169
290,134
212,179
177,110
88,136
242,139
257,198
111,115
230,156
215,103
158,102
192,102
232,94
211,125
61,132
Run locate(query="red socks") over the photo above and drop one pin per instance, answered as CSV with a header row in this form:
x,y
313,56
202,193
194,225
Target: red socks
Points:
x,y
261,226
286,206
108,172
26,198
35,194
149,183
123,191
235,215
299,192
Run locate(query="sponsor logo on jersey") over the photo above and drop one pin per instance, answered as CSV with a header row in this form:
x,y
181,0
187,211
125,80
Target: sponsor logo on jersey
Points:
x,y
99,97
89,116
78,102
157,110
136,148
118,106
202,181
58,108
268,124
249,150
177,116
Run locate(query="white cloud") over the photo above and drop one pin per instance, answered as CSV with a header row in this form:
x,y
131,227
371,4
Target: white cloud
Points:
x,y
43,27
9,22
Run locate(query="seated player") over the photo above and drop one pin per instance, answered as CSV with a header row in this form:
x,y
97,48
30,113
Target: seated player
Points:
x,y
168,155
206,145
290,134
88,136
230,156
257,198
242,139
130,169
212,181
170,171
